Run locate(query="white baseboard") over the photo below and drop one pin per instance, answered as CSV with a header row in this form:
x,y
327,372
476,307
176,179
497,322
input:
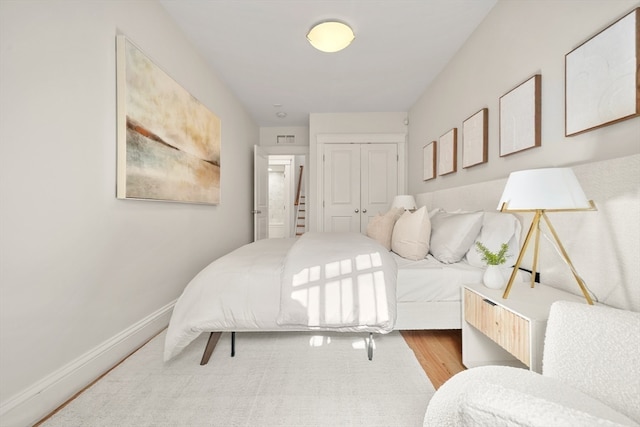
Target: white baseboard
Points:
x,y
43,397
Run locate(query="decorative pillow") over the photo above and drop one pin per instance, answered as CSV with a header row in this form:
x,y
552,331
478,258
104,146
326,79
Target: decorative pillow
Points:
x,y
380,227
411,234
497,228
452,234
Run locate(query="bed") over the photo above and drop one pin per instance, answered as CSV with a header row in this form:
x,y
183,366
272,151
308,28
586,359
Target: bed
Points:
x,y
406,273
342,282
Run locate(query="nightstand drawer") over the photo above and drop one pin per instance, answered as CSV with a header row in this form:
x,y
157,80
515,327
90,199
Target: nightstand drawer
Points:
x,y
504,327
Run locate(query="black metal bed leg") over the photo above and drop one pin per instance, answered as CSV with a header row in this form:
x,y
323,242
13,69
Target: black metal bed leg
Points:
x,y
233,344
370,346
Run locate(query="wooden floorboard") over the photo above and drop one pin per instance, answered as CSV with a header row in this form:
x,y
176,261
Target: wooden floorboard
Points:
x,y
439,353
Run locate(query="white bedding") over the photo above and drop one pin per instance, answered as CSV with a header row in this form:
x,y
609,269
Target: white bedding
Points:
x,y
429,280
241,291
342,282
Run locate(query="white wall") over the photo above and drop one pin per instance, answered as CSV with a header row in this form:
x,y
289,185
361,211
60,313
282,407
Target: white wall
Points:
x,y
343,123
515,41
79,267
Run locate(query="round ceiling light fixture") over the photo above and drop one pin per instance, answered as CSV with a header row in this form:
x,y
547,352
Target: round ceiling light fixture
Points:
x,y
330,36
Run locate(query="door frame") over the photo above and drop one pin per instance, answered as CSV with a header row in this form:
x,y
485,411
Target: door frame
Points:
x,y
355,138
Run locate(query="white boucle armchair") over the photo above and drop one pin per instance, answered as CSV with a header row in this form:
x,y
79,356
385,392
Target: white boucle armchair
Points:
x,y
590,377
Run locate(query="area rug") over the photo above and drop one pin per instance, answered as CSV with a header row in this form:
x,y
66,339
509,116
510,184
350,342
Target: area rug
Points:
x,y
275,379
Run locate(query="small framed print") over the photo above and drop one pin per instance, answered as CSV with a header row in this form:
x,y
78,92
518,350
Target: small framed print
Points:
x,y
475,139
448,152
602,77
429,152
520,111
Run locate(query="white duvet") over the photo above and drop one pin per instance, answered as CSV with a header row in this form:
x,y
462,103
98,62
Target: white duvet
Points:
x,y
328,281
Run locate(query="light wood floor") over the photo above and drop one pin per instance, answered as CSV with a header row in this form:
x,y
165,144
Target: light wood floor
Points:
x,y
439,353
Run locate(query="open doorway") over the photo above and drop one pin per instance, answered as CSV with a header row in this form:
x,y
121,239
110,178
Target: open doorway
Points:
x,y
286,187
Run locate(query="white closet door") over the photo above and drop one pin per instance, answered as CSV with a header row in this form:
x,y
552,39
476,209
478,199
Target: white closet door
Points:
x,y
360,180
378,180
342,187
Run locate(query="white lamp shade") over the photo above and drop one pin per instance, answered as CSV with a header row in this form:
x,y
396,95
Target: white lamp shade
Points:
x,y
551,188
330,36
404,201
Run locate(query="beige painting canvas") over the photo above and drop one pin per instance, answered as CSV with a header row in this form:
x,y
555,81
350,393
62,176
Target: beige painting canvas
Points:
x,y
168,142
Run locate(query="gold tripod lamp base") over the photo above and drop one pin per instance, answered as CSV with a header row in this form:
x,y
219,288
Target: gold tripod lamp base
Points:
x,y
541,191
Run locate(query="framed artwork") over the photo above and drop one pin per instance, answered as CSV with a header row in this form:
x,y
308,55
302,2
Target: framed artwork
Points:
x,y
475,139
602,77
448,152
429,153
520,111
168,142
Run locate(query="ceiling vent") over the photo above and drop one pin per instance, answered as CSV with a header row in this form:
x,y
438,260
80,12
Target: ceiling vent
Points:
x,y
286,139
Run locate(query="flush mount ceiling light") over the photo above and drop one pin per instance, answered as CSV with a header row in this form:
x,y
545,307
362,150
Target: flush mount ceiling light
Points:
x,y
330,36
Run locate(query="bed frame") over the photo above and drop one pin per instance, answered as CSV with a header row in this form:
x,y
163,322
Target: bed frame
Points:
x,y
214,337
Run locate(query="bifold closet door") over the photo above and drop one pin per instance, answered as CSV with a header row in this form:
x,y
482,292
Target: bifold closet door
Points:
x,y
378,180
342,187
359,180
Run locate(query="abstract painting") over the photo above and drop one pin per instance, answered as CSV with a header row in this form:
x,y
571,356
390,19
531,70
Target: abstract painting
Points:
x,y
168,142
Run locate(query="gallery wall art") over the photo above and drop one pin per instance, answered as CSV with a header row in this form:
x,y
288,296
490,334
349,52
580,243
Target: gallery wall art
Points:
x,y
475,139
168,142
520,117
448,152
429,153
602,77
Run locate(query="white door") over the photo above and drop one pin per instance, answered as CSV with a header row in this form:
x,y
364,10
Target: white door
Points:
x,y
359,180
260,194
378,180
342,187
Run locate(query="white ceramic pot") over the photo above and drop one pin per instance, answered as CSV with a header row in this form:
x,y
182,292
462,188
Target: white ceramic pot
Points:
x,y
493,277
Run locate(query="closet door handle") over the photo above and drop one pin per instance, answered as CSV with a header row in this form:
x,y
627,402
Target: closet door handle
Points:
x,y
357,210
364,211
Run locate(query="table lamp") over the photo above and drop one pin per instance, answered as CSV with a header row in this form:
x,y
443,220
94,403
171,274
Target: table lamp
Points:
x,y
404,201
541,191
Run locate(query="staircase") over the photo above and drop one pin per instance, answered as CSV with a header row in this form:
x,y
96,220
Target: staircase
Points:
x,y
301,210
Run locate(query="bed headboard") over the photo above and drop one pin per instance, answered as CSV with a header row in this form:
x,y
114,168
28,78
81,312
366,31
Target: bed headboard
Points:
x,y
604,246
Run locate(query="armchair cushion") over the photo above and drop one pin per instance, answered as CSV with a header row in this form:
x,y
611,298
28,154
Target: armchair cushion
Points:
x,y
595,349
506,396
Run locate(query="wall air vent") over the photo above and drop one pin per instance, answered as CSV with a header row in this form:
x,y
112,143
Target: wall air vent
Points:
x,y
286,139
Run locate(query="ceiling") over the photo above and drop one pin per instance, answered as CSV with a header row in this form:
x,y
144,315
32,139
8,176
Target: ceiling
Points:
x,y
259,50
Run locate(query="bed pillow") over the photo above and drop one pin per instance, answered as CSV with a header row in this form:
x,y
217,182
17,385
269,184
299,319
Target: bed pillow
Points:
x,y
380,227
497,228
452,234
411,234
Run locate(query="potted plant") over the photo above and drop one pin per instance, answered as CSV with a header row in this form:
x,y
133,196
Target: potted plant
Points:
x,y
493,277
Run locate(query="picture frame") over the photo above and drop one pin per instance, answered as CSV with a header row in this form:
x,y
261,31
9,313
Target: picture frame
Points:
x,y
429,153
448,152
602,77
475,139
168,143
520,117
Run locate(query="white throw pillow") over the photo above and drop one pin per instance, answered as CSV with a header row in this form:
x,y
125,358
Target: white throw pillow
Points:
x,y
452,234
497,228
380,227
411,234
